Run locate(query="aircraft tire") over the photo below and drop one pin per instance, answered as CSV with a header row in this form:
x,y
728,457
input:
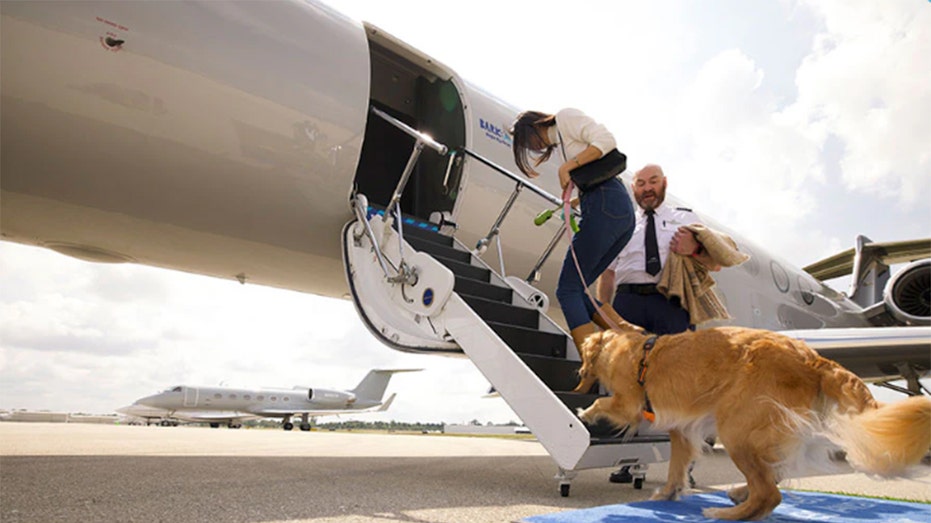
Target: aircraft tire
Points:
x,y
288,426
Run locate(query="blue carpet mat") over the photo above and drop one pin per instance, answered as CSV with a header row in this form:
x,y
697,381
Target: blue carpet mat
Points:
x,y
796,507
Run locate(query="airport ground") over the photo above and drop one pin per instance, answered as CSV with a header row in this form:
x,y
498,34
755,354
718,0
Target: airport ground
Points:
x,y
78,472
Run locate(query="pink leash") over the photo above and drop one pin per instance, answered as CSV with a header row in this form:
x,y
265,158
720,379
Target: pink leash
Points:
x,y
567,210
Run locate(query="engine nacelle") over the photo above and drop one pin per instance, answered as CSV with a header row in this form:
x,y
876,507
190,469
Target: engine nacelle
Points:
x,y
907,296
331,398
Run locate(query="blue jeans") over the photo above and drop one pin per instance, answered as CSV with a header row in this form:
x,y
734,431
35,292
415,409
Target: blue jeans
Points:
x,y
607,224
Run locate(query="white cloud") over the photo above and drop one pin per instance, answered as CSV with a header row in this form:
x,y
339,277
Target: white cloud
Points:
x,y
867,81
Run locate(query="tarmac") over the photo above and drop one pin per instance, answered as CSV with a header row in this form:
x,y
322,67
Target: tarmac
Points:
x,y
87,473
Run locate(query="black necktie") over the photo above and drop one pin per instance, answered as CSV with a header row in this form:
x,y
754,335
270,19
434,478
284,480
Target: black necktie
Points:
x,y
653,264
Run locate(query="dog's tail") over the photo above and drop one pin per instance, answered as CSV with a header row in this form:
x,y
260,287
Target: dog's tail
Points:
x,y
880,439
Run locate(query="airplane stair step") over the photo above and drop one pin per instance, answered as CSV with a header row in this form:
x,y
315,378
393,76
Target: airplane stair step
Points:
x,y
602,431
531,341
496,311
464,269
415,227
431,247
558,374
470,287
427,233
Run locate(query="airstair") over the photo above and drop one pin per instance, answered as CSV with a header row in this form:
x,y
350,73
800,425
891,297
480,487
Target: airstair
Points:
x,y
418,288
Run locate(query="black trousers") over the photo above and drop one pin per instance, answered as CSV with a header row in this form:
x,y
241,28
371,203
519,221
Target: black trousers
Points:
x,y
653,312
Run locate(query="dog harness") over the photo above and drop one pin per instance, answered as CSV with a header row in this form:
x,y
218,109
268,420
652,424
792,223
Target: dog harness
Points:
x,y
648,413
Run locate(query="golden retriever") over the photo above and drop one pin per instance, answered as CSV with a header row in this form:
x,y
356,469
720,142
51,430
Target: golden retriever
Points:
x,y
769,398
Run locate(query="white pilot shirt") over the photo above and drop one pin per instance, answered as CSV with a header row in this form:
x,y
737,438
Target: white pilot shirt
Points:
x,y
630,264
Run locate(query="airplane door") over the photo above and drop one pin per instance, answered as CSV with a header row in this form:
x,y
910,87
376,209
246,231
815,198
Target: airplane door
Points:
x,y
416,90
190,396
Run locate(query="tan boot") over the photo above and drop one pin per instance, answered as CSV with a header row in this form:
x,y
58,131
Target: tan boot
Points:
x,y
605,315
579,334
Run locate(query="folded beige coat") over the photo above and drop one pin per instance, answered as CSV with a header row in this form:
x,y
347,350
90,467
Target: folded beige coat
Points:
x,y
692,283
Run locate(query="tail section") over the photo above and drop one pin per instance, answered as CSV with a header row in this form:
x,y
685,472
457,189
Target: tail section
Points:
x,y
881,439
373,385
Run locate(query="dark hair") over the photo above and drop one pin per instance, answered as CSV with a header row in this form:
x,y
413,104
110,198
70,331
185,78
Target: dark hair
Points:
x,y
526,138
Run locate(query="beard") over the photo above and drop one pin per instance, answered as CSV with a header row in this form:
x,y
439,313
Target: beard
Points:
x,y
650,200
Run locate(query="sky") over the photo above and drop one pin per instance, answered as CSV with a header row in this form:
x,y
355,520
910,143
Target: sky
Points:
x,y
799,123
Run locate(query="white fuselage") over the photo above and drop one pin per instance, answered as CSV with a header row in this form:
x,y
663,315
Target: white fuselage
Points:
x,y
226,138
259,402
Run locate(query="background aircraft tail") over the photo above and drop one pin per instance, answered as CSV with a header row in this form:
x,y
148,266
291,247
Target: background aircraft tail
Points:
x,y
373,385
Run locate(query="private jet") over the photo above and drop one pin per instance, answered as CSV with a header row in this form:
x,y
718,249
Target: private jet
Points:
x,y
231,406
288,145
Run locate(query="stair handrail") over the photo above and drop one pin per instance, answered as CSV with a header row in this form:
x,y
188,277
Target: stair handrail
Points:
x,y
493,233
533,188
420,140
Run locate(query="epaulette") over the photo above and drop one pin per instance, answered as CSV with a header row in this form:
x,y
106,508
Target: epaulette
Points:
x,y
686,209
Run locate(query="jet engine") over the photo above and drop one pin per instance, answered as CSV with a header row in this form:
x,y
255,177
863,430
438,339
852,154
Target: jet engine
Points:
x,y
331,398
907,296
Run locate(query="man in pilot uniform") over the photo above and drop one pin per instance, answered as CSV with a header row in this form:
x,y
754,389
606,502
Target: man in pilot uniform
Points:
x,y
633,275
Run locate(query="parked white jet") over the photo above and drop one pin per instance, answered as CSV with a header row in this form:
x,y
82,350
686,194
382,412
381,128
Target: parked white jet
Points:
x,y
231,406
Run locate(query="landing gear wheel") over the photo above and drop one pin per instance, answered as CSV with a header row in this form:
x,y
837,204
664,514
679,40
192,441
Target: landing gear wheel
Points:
x,y
638,483
305,427
564,490
288,426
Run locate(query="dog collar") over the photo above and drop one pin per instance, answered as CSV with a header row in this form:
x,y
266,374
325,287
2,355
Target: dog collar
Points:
x,y
648,413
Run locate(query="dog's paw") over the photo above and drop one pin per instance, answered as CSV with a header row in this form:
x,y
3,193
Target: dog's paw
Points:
x,y
664,494
719,513
739,494
583,414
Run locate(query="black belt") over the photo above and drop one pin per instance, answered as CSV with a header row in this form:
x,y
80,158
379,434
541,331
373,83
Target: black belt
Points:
x,y
637,288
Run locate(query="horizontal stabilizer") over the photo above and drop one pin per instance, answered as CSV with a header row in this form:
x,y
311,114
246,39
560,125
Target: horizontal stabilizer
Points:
x,y
385,405
842,264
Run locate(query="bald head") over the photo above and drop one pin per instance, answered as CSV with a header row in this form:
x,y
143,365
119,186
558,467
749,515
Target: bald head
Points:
x,y
649,186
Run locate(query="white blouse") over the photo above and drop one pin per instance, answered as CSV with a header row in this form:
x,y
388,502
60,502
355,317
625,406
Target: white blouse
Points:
x,y
578,131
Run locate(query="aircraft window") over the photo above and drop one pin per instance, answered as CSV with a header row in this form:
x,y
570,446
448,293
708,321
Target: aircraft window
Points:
x,y
806,290
752,266
780,277
286,398
260,397
232,396
246,397
273,398
217,395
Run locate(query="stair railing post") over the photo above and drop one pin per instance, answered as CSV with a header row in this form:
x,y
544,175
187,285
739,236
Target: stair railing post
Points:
x,y
363,219
534,275
482,244
402,183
